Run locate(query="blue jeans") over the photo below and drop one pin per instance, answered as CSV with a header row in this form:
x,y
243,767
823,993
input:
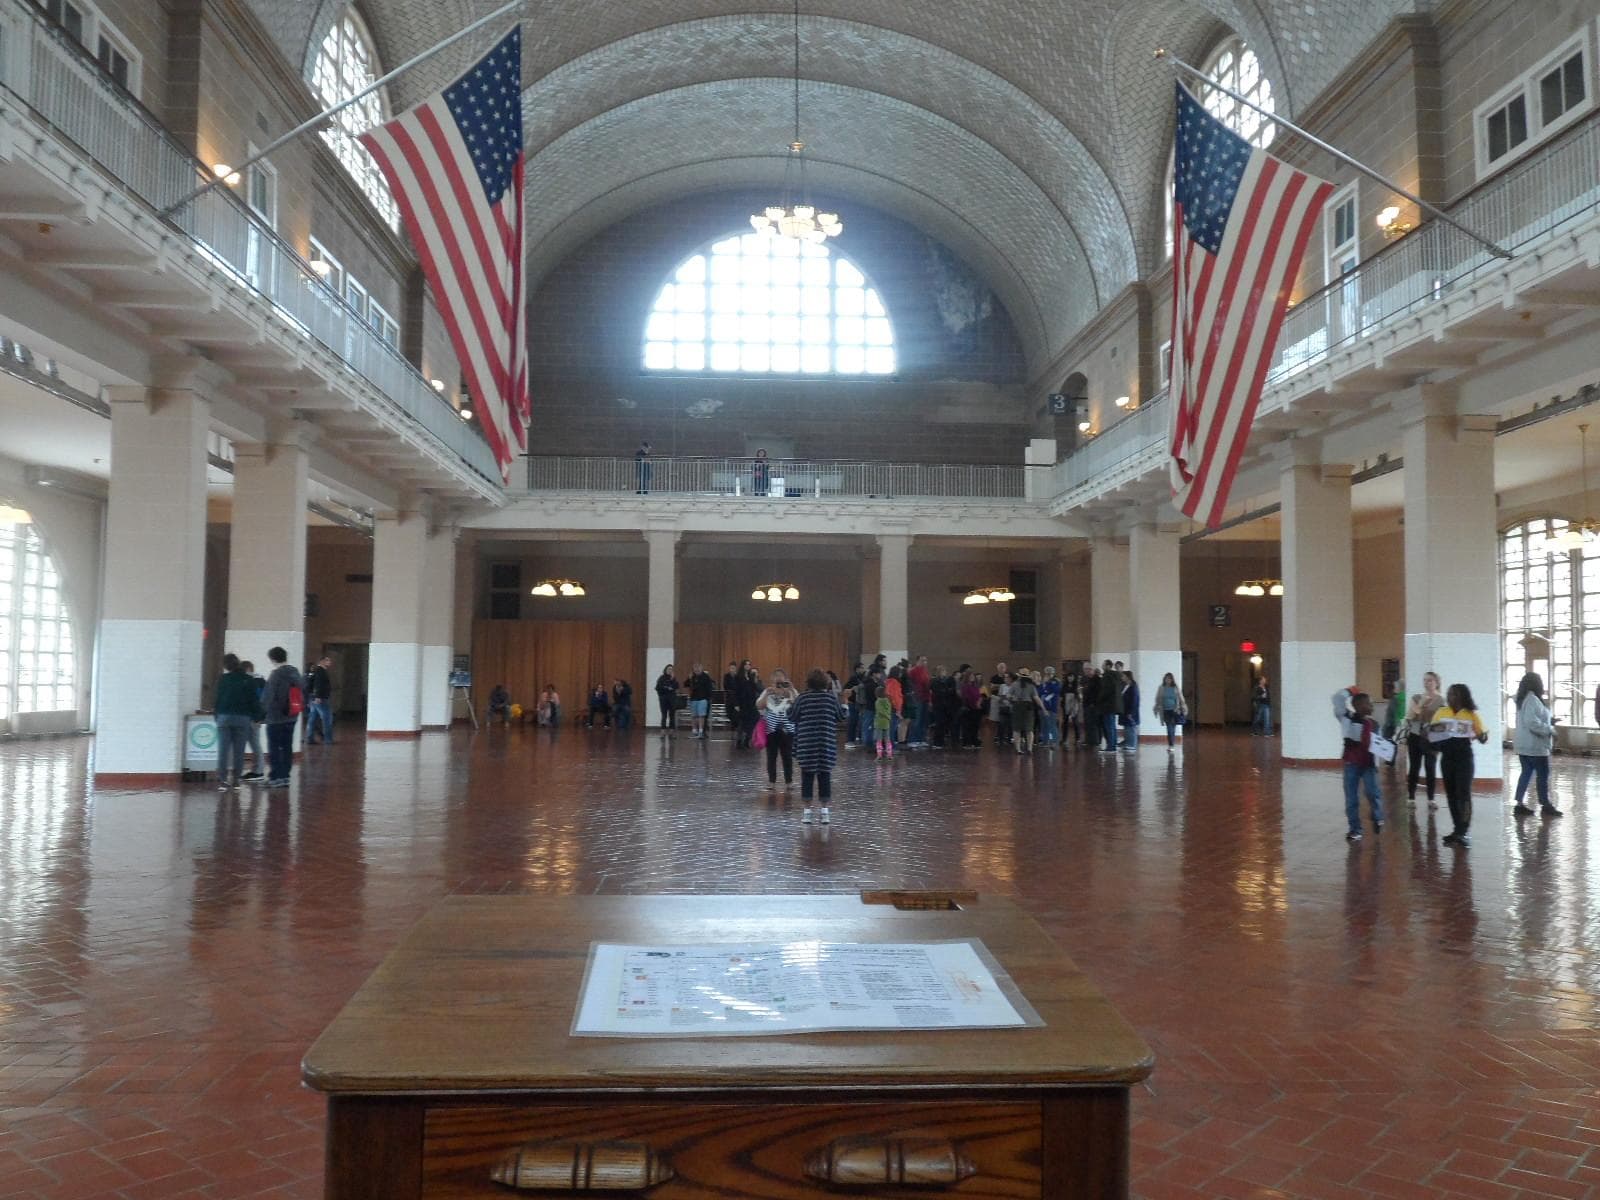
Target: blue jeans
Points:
x,y
1536,767
1354,778
866,734
919,722
280,749
624,716
1108,722
1049,729
1262,722
1171,720
232,733
321,713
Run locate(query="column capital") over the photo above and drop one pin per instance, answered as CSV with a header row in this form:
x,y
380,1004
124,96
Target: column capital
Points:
x,y
1303,451
186,373
885,540
1425,401
659,536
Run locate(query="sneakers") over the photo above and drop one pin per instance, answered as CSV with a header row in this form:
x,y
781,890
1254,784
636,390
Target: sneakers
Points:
x,y
880,751
1353,836
1522,810
806,819
224,786
252,776
825,816
1550,810
1377,828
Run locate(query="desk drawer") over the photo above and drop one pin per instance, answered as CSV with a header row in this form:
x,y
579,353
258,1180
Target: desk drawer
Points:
x,y
977,1151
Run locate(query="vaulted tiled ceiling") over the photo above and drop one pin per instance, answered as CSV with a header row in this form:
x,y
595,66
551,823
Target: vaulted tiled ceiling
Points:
x,y
1029,136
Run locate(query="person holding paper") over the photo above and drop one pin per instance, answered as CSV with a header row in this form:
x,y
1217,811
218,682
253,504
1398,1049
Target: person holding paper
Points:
x,y
1536,732
1453,730
1421,754
1353,711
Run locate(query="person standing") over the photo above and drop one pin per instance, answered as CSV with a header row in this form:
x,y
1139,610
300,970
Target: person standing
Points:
x,y
814,716
319,702
235,709
730,700
1261,707
258,760
1072,709
1130,712
921,698
866,699
774,704
1533,739
622,704
285,698
550,707
1050,702
700,689
882,720
1422,755
852,726
1025,709
667,696
1353,711
895,689
761,475
1170,708
971,694
1453,730
1110,704
641,467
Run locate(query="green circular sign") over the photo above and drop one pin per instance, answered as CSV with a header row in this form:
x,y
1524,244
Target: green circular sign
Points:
x,y
202,735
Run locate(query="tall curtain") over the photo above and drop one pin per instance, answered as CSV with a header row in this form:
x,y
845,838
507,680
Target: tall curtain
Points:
x,y
795,648
573,655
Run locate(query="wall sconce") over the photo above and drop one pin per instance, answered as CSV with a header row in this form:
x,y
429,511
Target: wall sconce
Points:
x,y
225,173
321,267
1389,221
1081,410
1124,401
438,385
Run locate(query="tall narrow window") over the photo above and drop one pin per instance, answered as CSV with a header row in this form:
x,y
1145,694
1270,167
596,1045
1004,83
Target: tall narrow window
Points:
x,y
1235,66
1550,618
38,658
769,305
345,66
1343,254
261,195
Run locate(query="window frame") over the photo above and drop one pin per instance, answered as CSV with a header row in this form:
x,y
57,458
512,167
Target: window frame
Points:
x,y
1340,263
340,136
28,542
260,264
1526,86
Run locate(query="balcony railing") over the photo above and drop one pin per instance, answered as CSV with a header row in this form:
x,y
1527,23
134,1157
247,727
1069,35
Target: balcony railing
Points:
x,y
54,77
1128,438
744,477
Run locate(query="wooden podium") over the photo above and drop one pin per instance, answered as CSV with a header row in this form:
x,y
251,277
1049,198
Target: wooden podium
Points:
x,y
455,1057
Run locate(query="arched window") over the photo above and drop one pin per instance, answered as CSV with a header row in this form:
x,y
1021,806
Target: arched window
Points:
x,y
1550,617
1236,67
38,663
346,64
769,305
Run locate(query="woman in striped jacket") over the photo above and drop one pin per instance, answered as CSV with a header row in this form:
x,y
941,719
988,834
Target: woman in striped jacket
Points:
x,y
815,718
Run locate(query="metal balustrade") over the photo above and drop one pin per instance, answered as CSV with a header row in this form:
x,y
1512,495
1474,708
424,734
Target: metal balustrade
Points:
x,y
56,79
1130,437
792,479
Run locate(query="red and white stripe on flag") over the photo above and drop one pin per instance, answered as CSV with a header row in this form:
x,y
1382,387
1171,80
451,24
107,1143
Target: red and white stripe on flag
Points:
x,y
1242,221
455,165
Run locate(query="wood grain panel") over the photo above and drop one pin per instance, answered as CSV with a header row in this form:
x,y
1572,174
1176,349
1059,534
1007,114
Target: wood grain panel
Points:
x,y
573,655
795,648
755,1151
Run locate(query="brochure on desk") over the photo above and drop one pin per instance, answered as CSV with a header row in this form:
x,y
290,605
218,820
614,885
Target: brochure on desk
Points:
x,y
795,987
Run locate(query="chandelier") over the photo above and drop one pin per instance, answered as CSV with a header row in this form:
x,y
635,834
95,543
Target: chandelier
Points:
x,y
776,593
989,595
1577,534
796,217
558,587
1259,587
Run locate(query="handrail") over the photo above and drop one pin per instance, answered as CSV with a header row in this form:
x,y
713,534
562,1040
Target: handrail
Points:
x,y
748,478
63,86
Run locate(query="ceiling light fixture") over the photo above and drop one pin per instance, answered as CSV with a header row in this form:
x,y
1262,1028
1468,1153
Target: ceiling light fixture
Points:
x,y
558,587
225,173
989,595
796,217
1577,534
775,593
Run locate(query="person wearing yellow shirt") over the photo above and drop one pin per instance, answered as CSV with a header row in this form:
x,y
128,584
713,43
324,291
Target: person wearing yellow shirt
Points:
x,y
1453,730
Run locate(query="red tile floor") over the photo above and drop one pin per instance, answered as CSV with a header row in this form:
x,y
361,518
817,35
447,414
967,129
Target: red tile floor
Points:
x,y
1393,1019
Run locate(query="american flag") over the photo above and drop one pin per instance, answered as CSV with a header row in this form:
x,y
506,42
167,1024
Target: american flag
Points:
x,y
455,163
1242,220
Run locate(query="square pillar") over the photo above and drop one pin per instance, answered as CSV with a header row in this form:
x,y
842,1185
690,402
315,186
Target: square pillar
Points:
x,y
661,617
152,626
438,625
267,554
1153,606
894,633
394,662
1452,564
1318,653
1110,626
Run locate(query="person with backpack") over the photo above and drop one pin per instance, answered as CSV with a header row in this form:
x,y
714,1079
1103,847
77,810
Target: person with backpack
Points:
x,y
285,701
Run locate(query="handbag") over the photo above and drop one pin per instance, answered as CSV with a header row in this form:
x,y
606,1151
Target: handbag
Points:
x,y
759,738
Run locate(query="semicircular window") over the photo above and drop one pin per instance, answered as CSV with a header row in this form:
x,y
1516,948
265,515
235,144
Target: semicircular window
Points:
x,y
752,305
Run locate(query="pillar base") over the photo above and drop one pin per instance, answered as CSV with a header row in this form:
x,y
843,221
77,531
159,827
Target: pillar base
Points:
x,y
394,670
1311,672
147,674
436,695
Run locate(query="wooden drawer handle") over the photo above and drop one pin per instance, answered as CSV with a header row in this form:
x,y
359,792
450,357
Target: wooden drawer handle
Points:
x,y
582,1167
889,1162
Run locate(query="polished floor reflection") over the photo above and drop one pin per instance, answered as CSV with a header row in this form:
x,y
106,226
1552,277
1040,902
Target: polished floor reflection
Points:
x,y
1395,1018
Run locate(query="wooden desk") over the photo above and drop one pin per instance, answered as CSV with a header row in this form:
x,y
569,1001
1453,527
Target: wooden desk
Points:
x,y
456,1052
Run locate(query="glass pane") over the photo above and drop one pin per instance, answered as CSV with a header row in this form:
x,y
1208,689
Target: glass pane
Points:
x,y
850,302
1517,119
667,297
785,328
725,268
691,356
786,358
692,299
755,327
725,356
878,333
657,356
660,327
785,272
880,360
725,327
815,331
814,272
847,276
850,331
815,360
815,300
852,360
874,305
693,271
755,357
786,300
691,327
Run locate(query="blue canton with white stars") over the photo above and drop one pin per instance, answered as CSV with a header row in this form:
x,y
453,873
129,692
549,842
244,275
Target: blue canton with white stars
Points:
x,y
1211,160
486,103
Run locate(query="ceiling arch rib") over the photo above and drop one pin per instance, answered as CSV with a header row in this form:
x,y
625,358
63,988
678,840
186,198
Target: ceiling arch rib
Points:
x,y
748,119
720,176
841,52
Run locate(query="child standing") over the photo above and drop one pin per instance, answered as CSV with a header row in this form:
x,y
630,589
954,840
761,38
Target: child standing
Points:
x,y
1353,711
1453,730
882,715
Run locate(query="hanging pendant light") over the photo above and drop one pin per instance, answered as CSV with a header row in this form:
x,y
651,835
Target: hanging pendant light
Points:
x,y
775,593
1577,534
796,217
558,587
989,595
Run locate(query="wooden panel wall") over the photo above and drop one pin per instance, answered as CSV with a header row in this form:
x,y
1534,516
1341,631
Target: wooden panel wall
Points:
x,y
573,655
795,648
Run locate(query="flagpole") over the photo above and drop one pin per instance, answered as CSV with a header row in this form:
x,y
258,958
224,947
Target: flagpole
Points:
x,y
1337,153
341,106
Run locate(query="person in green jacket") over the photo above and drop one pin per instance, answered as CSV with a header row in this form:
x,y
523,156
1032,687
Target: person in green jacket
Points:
x,y
237,706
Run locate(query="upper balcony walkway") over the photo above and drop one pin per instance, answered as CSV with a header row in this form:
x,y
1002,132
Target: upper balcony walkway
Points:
x,y
88,174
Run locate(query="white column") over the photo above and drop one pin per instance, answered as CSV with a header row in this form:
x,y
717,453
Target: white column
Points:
x,y
1451,563
1153,604
438,625
394,663
1318,653
1110,629
152,617
267,554
661,617
894,634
